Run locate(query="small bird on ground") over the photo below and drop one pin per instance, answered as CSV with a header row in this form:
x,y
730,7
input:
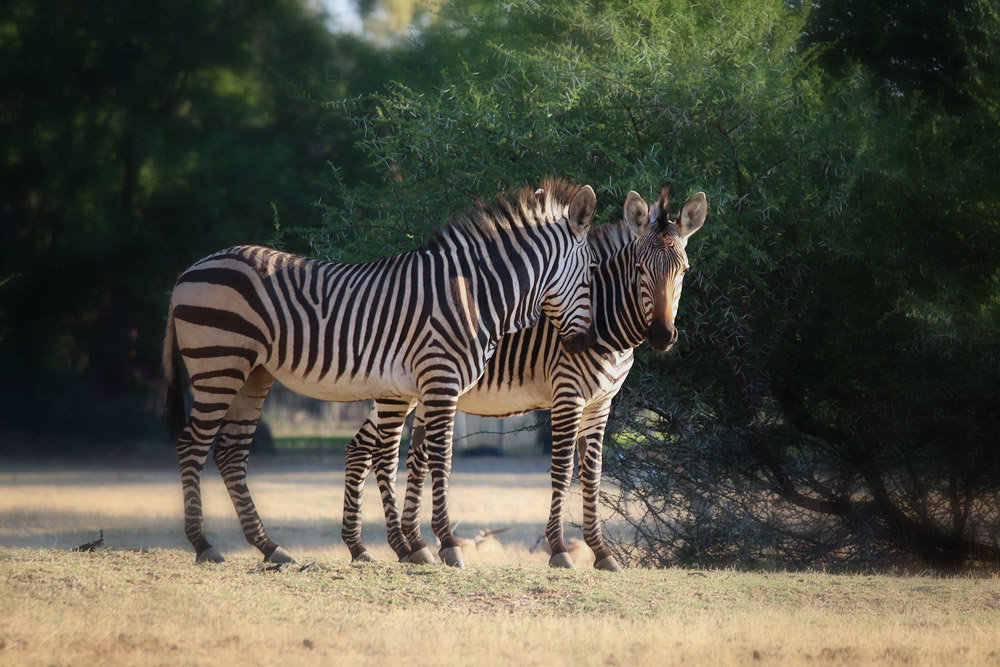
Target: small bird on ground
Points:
x,y
95,545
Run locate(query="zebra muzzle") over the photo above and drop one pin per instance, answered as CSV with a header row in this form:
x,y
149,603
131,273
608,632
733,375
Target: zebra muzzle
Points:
x,y
661,335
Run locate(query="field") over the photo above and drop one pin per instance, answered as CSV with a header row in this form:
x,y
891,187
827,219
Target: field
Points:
x,y
143,600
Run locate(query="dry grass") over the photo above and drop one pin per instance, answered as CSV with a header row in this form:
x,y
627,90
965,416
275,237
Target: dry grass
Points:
x,y
144,601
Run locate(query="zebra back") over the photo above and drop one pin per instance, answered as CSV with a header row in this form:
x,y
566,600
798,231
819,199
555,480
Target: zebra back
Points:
x,y
319,324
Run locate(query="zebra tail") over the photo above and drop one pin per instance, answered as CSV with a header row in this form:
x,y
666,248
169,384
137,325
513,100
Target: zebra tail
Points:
x,y
173,370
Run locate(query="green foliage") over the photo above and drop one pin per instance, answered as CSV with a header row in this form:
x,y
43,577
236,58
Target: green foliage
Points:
x,y
634,96
866,398
940,52
838,346
134,139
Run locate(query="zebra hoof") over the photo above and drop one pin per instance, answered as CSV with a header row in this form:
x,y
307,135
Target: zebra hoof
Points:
x,y
279,555
608,564
420,557
562,559
210,555
452,556
363,557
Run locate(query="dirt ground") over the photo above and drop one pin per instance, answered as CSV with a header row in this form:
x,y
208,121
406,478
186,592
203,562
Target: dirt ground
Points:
x,y
139,506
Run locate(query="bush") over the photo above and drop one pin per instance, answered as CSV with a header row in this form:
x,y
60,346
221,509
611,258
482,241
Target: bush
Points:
x,y
832,402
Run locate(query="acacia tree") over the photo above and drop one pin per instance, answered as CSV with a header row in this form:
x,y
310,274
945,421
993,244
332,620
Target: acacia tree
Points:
x,y
790,426
863,414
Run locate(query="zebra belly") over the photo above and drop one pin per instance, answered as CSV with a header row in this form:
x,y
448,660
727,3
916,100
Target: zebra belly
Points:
x,y
347,388
598,377
505,402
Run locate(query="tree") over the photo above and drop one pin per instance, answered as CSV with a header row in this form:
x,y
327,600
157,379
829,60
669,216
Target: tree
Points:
x,y
870,418
936,50
792,425
135,139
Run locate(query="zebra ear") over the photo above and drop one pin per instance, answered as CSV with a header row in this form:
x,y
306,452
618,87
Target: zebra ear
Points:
x,y
692,215
581,210
660,214
636,214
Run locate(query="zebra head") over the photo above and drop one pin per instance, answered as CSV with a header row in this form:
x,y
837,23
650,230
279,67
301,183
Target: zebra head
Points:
x,y
566,290
661,260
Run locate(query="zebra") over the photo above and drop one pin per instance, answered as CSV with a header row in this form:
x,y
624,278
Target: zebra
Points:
x,y
635,294
415,327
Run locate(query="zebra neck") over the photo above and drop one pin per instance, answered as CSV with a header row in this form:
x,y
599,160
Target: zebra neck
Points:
x,y
526,313
490,304
618,322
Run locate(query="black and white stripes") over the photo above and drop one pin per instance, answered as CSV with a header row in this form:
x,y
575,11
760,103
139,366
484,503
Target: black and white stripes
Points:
x,y
635,294
418,327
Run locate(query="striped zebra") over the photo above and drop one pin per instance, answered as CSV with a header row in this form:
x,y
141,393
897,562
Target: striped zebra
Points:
x,y
635,294
418,327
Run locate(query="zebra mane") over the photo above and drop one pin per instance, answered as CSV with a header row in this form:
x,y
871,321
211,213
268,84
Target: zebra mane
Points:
x,y
609,238
522,209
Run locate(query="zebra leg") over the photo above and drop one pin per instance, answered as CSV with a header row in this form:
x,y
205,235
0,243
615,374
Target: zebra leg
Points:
x,y
416,473
391,417
192,452
232,451
358,465
565,424
591,443
214,392
439,429
376,443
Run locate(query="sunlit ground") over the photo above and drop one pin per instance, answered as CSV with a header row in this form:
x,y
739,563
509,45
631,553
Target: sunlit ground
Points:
x,y
64,505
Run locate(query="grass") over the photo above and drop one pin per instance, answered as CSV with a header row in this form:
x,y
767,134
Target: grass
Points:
x,y
145,601
158,606
311,445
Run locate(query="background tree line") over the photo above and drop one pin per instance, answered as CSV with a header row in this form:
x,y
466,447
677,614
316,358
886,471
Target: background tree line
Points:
x,y
835,398
136,138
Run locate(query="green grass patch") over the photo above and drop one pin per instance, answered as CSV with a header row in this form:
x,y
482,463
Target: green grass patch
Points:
x,y
311,444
